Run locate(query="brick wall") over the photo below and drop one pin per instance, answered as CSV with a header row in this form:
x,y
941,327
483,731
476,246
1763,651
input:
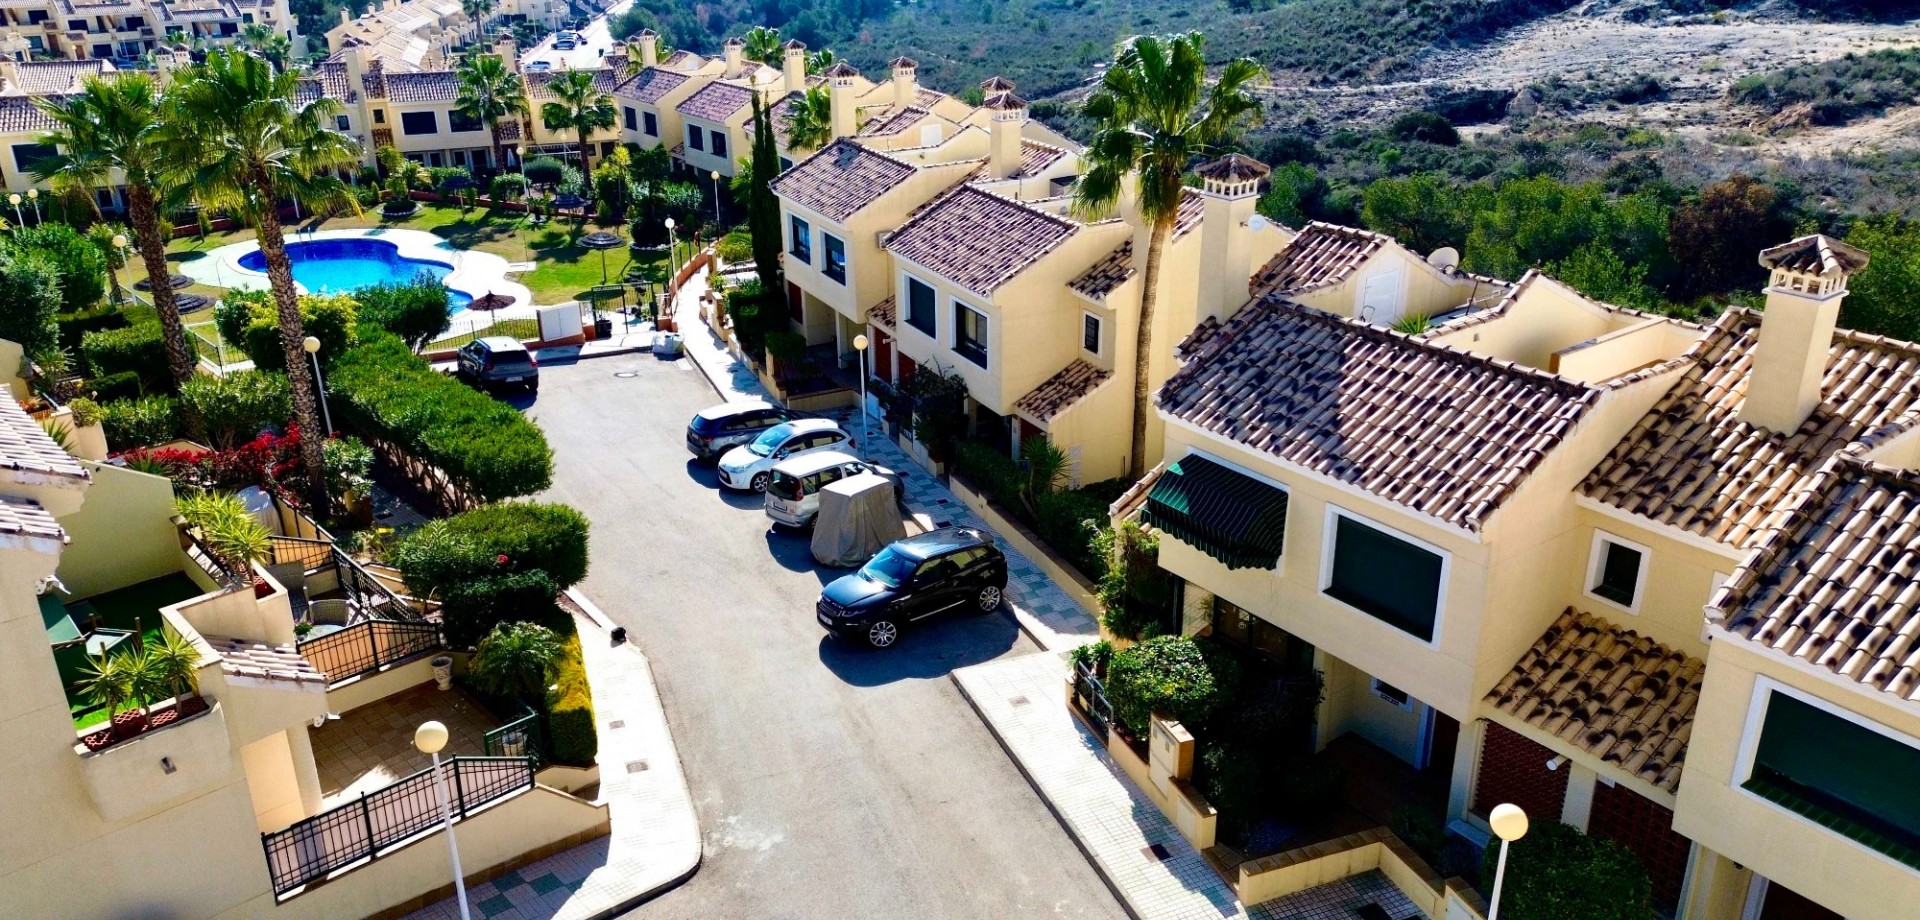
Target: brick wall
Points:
x,y
1646,828
1514,769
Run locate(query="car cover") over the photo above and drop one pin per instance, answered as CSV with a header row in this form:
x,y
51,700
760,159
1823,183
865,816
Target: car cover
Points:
x,y
857,519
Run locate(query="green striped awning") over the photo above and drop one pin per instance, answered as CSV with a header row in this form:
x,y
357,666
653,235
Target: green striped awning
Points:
x,y
1228,515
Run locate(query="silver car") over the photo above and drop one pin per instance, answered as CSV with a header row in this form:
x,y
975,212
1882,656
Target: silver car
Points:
x,y
793,492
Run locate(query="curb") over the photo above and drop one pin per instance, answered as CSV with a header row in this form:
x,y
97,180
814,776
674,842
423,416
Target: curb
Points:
x,y
1106,877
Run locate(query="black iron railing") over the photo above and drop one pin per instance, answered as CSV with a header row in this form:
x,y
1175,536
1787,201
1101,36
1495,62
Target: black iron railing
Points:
x,y
369,645
518,737
370,826
370,595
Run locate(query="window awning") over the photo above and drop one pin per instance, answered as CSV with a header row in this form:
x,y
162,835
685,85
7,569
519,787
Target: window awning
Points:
x,y
1228,515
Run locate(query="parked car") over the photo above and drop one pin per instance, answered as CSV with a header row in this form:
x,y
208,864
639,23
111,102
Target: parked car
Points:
x,y
716,430
565,44
793,492
540,66
751,466
498,361
953,568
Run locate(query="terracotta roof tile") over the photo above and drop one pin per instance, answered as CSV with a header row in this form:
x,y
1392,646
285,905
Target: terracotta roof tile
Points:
x,y
1059,392
979,240
246,658
840,179
41,78
650,85
716,101
884,314
1187,218
1036,158
1440,431
27,519
1130,501
678,58
1234,167
423,86
26,448
1816,254
1322,254
1106,274
18,115
1612,693
1692,463
992,85
604,80
895,123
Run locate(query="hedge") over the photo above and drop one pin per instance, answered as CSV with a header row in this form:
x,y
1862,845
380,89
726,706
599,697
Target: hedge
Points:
x,y
1184,679
496,540
1556,871
488,449
571,735
75,326
130,423
252,319
140,348
471,608
124,385
238,406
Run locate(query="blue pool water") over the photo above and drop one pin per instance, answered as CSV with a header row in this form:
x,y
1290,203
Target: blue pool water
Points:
x,y
325,266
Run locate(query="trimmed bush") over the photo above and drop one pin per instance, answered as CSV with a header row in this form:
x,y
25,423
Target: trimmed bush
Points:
x,y
384,390
1174,675
470,609
149,420
543,170
507,187
75,326
327,318
1556,872
496,540
79,262
141,349
29,301
415,310
736,246
571,735
124,385
238,406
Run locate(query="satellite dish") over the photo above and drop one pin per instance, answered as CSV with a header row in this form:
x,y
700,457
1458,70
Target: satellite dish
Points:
x,y
1256,223
1446,258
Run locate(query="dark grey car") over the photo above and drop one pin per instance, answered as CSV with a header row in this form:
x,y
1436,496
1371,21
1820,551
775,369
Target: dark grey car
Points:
x,y
498,361
721,428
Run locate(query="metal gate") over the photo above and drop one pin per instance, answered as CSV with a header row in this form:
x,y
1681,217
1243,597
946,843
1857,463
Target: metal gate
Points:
x,y
1090,694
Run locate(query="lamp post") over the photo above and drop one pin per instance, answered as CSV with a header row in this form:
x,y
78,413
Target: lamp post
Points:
x,y
33,195
673,264
430,738
715,175
14,199
119,242
1509,824
860,353
312,345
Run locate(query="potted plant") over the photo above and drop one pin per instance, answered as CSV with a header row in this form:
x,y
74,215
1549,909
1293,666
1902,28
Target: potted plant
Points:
x,y
171,667
229,531
109,682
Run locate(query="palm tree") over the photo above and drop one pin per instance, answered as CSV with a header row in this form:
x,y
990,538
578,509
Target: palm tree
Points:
x,y
579,106
818,61
763,45
475,11
267,41
111,125
490,91
240,123
1153,114
810,120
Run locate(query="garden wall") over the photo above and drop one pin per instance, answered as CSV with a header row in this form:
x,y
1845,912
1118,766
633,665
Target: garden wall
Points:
x,y
1319,864
1066,576
122,535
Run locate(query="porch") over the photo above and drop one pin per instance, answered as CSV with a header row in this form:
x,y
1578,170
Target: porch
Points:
x,y
371,747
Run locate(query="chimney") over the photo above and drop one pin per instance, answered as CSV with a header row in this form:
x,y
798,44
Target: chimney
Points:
x,y
1807,282
357,58
793,61
906,90
1003,147
346,16
994,86
840,80
736,49
508,52
649,47
1229,187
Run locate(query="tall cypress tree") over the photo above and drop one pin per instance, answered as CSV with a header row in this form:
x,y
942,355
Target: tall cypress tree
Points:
x,y
763,212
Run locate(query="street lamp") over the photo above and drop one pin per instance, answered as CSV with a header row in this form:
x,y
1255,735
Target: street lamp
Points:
x,y
312,345
673,263
715,175
119,242
33,195
1509,824
430,738
860,351
14,199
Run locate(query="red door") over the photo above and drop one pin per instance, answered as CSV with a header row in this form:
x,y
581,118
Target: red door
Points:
x,y
882,356
796,308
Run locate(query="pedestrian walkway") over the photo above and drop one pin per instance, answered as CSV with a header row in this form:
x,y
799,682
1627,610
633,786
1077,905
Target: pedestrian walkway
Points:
x,y
655,842
1044,611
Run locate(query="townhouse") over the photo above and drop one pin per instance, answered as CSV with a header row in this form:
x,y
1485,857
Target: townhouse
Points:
x,y
126,29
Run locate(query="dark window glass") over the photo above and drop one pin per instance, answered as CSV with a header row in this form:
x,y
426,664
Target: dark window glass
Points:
x,y
1846,776
229,28
632,117
76,25
836,267
1090,333
136,22
36,16
650,124
26,155
696,138
379,116
343,122
1619,574
719,144
970,334
920,306
1385,576
785,164
802,244
461,121
419,123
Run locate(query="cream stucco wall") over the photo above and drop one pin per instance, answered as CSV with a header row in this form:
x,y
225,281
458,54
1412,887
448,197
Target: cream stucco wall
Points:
x,y
1352,707
123,535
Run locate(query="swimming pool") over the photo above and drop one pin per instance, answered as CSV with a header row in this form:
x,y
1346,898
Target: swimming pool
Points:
x,y
344,265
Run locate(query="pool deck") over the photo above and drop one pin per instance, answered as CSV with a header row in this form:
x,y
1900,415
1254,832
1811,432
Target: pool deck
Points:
x,y
474,272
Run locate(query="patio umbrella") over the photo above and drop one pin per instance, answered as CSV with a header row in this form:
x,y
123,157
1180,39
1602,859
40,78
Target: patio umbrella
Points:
x,y
492,302
602,241
569,202
174,281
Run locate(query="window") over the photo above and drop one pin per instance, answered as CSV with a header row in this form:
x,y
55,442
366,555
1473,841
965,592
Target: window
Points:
x,y
1392,695
1615,571
696,139
419,123
970,333
379,116
76,25
785,164
836,267
649,124
719,144
26,155
920,305
343,122
632,117
801,246
136,22
1385,576
103,51
461,121
35,17
229,28
1841,771
1090,333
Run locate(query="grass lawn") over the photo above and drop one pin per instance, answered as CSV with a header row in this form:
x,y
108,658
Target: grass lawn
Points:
x,y
130,608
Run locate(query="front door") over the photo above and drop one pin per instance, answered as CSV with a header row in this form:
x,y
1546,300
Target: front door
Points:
x,y
1770,901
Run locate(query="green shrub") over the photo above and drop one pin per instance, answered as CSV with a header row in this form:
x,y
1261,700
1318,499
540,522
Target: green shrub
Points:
x,y
29,301
472,608
79,263
327,318
507,187
439,176
1135,593
497,539
85,411
386,392
143,422
349,463
415,310
572,737
124,385
75,326
543,170
1069,522
736,246
1235,781
141,349
1184,679
236,407
1555,872
989,469
516,659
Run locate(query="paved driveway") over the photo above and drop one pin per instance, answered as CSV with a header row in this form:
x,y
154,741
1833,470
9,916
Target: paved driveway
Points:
x,y
831,781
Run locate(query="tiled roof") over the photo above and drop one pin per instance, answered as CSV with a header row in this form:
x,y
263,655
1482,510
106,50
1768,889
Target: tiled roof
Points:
x,y
1007,101
1234,167
335,81
650,85
1036,158
1440,431
1073,383
1816,254
1187,217
716,101
1130,501
840,179
1837,584
884,314
25,446
840,69
1693,463
40,78
992,85
18,115
780,115
423,86
1106,274
895,123
678,58
1610,692
538,84
1322,254
244,658
28,519
979,240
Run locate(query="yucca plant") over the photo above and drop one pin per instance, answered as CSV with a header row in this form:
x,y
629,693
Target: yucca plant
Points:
x,y
231,533
60,432
171,665
110,682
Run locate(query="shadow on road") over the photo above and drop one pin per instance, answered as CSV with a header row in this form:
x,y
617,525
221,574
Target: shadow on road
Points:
x,y
521,400
705,474
793,549
928,650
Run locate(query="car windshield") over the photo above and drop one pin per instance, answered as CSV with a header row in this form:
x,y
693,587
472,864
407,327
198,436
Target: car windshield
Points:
x,y
890,568
766,444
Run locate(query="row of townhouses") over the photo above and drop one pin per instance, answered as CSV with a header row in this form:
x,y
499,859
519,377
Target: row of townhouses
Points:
x,y
126,29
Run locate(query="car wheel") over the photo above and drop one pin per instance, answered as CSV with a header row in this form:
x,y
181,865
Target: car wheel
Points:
x,y
989,598
882,633
760,482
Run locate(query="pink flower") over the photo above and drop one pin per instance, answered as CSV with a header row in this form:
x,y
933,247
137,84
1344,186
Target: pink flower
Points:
x,y
500,559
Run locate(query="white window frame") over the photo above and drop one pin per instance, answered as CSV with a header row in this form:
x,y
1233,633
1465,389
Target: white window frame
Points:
x,y
1328,533
1596,563
1100,334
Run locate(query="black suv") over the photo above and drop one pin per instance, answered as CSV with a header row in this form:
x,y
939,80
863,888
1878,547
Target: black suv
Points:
x,y
498,361
953,568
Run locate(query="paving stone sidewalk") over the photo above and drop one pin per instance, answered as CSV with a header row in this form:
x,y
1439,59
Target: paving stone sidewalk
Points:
x,y
655,842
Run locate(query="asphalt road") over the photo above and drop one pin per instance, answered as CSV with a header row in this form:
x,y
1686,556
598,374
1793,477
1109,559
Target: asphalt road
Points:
x,y
831,781
596,39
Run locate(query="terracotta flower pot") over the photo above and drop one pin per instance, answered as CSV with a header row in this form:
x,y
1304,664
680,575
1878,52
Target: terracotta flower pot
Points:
x,y
129,723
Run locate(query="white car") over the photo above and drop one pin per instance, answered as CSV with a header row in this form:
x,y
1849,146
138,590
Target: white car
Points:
x,y
793,493
751,466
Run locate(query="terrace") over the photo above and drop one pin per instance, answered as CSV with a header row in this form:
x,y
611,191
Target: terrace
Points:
x,y
371,747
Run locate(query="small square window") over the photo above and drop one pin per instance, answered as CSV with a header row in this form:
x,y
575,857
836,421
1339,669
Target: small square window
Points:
x,y
1090,333
696,138
649,124
920,305
1616,571
632,118
836,267
801,247
343,122
719,144
379,116
970,333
